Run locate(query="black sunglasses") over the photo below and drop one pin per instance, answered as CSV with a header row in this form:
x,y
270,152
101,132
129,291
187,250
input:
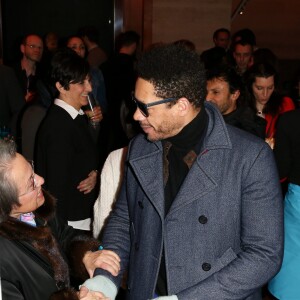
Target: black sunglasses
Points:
x,y
144,107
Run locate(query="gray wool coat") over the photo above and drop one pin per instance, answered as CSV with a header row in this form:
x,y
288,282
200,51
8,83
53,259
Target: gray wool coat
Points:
x,y
223,235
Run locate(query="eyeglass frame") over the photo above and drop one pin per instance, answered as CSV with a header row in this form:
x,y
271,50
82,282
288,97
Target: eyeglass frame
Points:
x,y
33,180
34,47
143,107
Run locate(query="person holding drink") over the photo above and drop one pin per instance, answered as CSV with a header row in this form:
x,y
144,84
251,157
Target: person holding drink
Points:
x,y
66,153
97,96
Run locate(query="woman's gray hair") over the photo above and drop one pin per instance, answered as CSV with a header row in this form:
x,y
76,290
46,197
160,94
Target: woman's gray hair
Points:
x,y
8,188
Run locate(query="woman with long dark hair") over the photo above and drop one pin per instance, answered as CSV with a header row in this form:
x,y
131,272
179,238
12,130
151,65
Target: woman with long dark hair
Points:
x,y
264,97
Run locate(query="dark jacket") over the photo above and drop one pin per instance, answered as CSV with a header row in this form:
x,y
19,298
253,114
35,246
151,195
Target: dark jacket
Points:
x,y
287,146
65,154
246,119
33,259
11,98
223,235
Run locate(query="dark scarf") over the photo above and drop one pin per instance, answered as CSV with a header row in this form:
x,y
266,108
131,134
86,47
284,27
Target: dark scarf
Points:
x,y
180,152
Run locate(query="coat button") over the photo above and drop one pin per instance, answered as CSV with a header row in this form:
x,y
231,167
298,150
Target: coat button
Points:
x,y
202,219
141,205
206,267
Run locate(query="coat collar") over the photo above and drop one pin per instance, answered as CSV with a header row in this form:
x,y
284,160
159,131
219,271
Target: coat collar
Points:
x,y
146,161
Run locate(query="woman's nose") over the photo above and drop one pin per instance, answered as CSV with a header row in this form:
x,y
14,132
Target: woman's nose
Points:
x,y
39,180
88,86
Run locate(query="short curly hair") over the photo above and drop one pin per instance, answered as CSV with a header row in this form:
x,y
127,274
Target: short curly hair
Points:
x,y
175,72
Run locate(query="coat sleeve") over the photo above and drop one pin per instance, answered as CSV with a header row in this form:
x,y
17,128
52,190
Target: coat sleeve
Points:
x,y
261,237
117,235
10,291
73,245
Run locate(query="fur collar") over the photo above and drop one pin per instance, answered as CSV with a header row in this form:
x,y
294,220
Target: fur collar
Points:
x,y
47,210
41,239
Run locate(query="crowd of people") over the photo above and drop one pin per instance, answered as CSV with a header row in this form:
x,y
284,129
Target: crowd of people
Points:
x,y
178,191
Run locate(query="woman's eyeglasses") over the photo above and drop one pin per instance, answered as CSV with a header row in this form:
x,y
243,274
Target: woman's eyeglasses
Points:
x,y
32,184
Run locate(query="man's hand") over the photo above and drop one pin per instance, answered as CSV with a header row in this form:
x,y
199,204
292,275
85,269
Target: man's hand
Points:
x,y
104,259
85,294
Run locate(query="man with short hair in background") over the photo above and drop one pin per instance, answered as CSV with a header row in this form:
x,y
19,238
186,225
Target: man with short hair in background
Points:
x,y
243,56
28,70
226,90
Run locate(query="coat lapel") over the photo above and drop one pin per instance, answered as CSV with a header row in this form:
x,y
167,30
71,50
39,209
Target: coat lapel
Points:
x,y
148,167
148,170
200,179
197,183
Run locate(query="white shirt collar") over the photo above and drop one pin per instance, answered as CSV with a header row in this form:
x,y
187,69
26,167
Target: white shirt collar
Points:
x,y
68,108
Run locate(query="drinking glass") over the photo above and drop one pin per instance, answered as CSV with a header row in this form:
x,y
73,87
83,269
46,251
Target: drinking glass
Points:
x,y
89,110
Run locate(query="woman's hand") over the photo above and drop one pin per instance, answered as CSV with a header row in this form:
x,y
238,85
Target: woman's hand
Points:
x,y
88,184
271,142
85,294
104,259
97,116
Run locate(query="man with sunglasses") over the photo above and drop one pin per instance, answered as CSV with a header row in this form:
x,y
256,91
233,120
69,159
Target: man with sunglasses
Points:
x,y
199,215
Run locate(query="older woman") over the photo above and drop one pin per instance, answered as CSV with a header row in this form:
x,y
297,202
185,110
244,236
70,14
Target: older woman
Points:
x,y
32,238
66,154
264,98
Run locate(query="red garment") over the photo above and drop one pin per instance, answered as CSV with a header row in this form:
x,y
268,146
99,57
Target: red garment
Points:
x,y
286,105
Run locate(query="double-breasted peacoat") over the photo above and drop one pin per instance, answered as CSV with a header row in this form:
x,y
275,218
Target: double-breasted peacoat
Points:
x,y
223,234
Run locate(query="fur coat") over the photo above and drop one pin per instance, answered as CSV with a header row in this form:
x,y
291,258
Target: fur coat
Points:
x,y
34,259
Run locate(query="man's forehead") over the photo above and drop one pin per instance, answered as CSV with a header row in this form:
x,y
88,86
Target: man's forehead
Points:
x,y
34,39
243,49
223,36
217,80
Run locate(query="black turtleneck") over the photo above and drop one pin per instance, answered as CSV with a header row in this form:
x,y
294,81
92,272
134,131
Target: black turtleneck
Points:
x,y
180,152
182,148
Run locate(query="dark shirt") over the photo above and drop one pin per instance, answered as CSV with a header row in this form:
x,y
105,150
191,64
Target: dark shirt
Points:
x,y
11,98
27,83
213,57
246,119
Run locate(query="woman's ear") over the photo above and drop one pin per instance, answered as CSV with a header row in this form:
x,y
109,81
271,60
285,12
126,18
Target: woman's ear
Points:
x,y
59,87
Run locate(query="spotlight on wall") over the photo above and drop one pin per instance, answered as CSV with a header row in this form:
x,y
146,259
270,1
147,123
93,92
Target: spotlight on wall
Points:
x,y
240,9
